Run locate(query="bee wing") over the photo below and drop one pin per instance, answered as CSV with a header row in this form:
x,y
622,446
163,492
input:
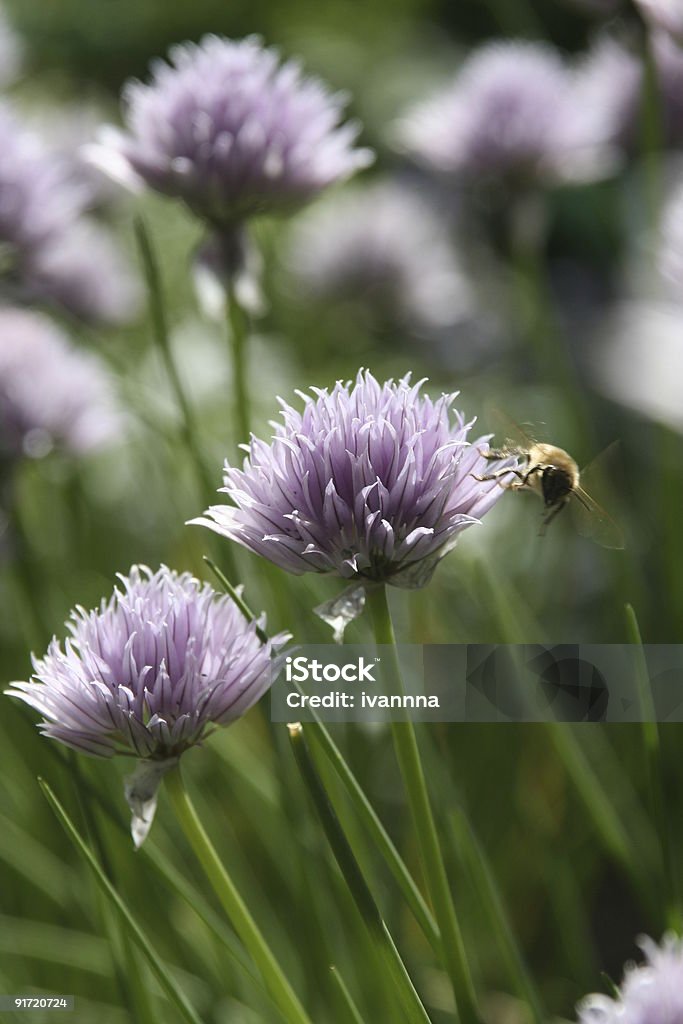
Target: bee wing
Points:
x,y
592,519
515,436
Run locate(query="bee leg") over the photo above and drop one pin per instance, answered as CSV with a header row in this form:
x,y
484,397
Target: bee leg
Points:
x,y
502,472
492,454
552,514
524,477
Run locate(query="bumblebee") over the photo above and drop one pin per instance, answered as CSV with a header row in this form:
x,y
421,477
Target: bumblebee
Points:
x,y
554,475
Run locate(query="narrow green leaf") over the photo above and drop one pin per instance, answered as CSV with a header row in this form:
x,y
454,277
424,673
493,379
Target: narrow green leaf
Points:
x,y
353,876
350,1010
159,968
454,956
473,856
653,759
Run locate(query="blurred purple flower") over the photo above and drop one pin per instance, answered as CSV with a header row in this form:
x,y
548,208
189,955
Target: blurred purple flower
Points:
x,y
51,250
38,198
51,394
150,672
664,14
386,246
608,81
83,271
229,129
510,113
650,994
611,80
372,482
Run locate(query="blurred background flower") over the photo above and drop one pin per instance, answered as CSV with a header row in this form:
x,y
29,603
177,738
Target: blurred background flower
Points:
x,y
651,993
665,14
511,113
50,250
52,395
385,247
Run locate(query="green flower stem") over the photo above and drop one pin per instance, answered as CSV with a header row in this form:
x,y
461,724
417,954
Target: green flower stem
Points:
x,y
157,309
353,876
368,816
652,129
408,755
491,902
238,327
233,904
534,305
653,756
29,584
364,809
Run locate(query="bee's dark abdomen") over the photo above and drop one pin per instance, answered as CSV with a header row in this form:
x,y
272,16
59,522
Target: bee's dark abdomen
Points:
x,y
556,485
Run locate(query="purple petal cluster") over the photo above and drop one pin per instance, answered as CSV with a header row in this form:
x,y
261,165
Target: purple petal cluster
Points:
x,y
511,112
52,250
148,674
51,394
373,482
385,245
650,994
231,130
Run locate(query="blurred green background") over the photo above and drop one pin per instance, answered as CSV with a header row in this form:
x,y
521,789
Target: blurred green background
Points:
x,y
563,816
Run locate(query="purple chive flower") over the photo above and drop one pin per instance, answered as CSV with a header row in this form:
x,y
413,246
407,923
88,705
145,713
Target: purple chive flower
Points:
x,y
51,394
511,113
232,131
387,247
160,663
52,251
372,482
650,994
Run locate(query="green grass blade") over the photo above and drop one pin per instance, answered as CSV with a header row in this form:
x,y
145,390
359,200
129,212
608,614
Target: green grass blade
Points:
x,y
358,887
473,856
350,1010
159,968
653,758
368,816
